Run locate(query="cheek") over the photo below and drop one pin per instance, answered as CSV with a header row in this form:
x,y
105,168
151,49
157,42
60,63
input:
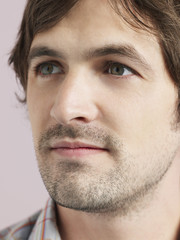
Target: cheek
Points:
x,y
141,118
39,106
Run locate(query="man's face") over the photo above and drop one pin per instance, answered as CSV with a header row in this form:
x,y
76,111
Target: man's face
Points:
x,y
101,105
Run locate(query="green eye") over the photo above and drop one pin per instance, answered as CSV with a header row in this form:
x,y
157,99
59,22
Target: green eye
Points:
x,y
119,69
48,69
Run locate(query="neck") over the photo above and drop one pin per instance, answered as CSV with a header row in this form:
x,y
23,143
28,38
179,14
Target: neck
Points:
x,y
156,218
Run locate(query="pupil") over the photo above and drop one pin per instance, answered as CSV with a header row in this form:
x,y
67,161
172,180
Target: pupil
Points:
x,y
118,70
48,69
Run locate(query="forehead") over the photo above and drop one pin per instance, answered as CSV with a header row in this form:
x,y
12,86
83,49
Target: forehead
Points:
x,y
93,23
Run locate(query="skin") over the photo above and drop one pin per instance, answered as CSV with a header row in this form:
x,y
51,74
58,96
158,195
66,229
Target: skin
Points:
x,y
123,192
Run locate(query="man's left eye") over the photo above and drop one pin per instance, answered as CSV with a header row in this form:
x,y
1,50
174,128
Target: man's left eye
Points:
x,y
119,69
48,69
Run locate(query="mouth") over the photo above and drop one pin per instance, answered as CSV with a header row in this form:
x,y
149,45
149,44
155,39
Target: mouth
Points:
x,y
76,149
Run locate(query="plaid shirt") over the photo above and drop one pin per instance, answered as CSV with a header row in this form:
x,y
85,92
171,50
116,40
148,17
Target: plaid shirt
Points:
x,y
40,226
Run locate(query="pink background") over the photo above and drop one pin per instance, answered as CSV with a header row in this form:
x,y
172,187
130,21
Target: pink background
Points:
x,y
21,189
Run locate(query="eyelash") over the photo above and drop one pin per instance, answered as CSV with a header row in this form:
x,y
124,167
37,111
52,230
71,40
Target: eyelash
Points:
x,y
37,68
105,66
109,64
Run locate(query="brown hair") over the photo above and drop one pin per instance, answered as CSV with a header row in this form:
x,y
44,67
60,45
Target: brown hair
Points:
x,y
163,16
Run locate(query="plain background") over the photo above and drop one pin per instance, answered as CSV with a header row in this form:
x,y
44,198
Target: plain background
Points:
x,y
21,189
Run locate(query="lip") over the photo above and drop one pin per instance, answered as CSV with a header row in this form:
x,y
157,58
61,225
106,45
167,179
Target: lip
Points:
x,y
76,149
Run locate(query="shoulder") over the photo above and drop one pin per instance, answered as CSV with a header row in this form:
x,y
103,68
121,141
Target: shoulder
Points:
x,y
21,230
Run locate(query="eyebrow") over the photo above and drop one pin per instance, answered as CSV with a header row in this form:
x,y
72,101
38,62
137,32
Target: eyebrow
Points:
x,y
41,51
123,50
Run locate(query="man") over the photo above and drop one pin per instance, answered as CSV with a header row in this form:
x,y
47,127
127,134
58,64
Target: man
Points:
x,y
101,82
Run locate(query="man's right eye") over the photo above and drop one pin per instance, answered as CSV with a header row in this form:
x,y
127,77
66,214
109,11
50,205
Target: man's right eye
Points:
x,y
48,68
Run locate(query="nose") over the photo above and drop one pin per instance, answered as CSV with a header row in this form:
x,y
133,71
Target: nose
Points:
x,y
74,102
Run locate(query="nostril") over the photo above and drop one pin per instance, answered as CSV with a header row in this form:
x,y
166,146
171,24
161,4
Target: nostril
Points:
x,y
81,119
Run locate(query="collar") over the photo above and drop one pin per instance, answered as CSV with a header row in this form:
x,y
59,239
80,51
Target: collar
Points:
x,y
45,227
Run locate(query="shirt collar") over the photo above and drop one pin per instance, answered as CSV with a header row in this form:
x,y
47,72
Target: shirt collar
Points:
x,y
45,227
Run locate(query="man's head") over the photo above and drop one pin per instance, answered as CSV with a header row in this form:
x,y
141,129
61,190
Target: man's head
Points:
x,y
101,90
